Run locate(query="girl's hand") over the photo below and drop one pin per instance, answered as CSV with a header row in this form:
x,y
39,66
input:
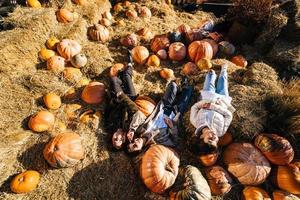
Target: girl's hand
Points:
x,y
130,135
169,122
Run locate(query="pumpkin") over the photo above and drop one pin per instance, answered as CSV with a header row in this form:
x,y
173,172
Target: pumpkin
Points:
x,y
68,48
282,195
79,60
118,7
72,74
194,185
200,49
209,159
51,43
159,42
288,177
225,140
65,16
162,54
239,60
126,3
177,51
159,168
254,193
145,34
33,3
145,12
105,22
277,149
145,104
218,179
140,54
80,2
167,74
52,100
175,37
56,64
213,44
93,93
194,35
107,15
226,48
131,14
130,40
25,182
204,64
153,61
206,24
41,121
98,32
246,163
45,54
121,23
64,150
114,70
190,68
183,29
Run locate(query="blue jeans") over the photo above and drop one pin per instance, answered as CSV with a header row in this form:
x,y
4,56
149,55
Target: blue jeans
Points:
x,y
222,84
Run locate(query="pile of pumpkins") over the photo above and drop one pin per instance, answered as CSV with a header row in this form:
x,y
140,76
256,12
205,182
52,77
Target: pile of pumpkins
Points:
x,y
132,10
248,163
100,32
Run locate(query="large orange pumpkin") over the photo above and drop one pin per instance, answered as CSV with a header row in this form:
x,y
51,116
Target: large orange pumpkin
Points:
x,y
246,163
56,64
65,16
160,42
41,121
98,32
159,168
68,48
218,179
213,44
25,182
140,54
200,49
93,93
282,195
277,150
177,51
145,104
254,193
52,100
225,140
64,150
209,159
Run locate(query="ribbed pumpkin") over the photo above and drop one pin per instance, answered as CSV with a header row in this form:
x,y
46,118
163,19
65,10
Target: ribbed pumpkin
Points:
x,y
225,140
194,185
239,60
131,14
153,61
209,159
204,64
51,43
219,180
72,74
213,44
282,195
254,193
130,40
288,177
162,54
68,48
45,54
33,3
145,104
190,68
226,48
160,42
93,93
177,51
145,34
246,163
41,121
65,16
200,49
25,182
194,35
167,73
98,32
159,168
114,70
56,64
145,12
64,150
52,100
140,54
183,29
79,60
277,150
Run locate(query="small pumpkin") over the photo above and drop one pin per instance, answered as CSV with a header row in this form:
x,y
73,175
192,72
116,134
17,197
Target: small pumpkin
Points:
x,y
254,193
114,70
282,195
213,44
107,15
25,182
204,64
239,60
190,68
130,40
79,60
209,159
72,74
93,93
218,179
131,14
159,168
41,121
51,43
64,150
118,7
45,54
65,16
194,185
183,29
127,3
98,32
195,35
145,34
140,54
200,49
153,61
80,2
177,51
225,140
68,48
145,104
105,22
33,3
162,54
145,12
226,48
56,64
167,74
159,42
52,100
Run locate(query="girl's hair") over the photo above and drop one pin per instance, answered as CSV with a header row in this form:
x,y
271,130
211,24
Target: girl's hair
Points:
x,y
199,147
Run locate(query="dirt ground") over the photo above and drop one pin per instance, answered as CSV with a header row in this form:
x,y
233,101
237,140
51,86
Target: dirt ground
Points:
x,y
103,173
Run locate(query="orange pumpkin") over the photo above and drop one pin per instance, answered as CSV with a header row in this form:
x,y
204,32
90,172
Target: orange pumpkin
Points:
x,y
56,64
190,68
79,60
239,60
51,43
118,7
282,195
93,93
218,179
98,32
288,177
246,163
145,34
177,51
254,193
131,14
65,16
45,54
153,61
72,74
145,104
208,159
213,44
140,54
162,54
183,29
200,49
80,2
225,140
25,182
145,12
64,150
204,64
226,48
52,100
114,70
107,15
33,3
68,48
41,121
160,42
159,168
277,150
130,40
167,74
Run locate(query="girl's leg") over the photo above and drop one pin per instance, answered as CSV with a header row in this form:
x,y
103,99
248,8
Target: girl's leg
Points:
x,y
222,85
184,99
209,83
127,78
169,98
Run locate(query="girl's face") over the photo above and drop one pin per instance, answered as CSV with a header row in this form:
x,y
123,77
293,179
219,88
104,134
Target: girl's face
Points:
x,y
118,139
136,145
